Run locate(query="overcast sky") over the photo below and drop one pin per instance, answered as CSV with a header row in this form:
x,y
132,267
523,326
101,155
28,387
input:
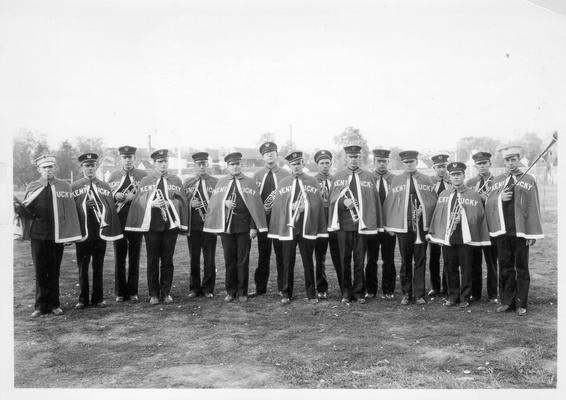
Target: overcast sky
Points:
x,y
418,74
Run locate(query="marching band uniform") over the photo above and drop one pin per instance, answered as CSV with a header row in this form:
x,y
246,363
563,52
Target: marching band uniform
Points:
x,y
383,240
198,241
160,224
99,223
458,233
120,181
441,182
482,184
352,235
397,212
516,225
51,218
301,221
323,243
236,230
267,180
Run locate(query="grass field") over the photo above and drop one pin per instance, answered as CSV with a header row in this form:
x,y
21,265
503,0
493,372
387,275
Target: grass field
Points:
x,y
205,343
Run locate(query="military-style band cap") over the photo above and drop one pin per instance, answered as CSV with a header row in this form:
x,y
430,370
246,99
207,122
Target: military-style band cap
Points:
x,y
231,157
408,155
127,150
322,155
267,147
440,159
44,160
200,156
88,158
159,154
353,149
509,151
481,156
294,156
381,153
456,166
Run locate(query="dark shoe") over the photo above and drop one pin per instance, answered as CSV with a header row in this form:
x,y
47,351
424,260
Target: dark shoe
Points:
x,y
168,299
472,299
362,301
192,295
256,294
345,300
243,299
420,301
389,296
503,308
322,295
58,311
405,301
79,306
153,300
208,295
285,300
134,297
449,303
313,301
494,300
432,293
102,304
521,311
464,304
228,298
36,314
120,299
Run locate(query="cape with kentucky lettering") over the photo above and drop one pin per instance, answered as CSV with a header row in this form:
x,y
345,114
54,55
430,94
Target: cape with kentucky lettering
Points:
x,y
473,222
368,202
314,218
527,208
67,227
216,215
189,186
278,174
396,203
110,229
116,178
139,216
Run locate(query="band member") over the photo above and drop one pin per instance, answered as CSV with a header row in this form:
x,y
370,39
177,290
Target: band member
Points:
x,y
236,213
300,220
513,218
407,211
198,190
99,223
482,185
267,180
441,182
355,213
383,240
124,184
159,210
49,217
323,160
458,225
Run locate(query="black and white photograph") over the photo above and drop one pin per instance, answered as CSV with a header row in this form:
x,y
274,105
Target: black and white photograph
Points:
x,y
233,199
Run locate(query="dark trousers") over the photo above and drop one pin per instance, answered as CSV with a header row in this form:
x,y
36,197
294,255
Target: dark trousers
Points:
x,y
320,247
95,249
46,256
237,262
204,242
129,245
352,245
490,256
412,279
436,283
386,242
160,247
513,257
458,271
306,248
261,275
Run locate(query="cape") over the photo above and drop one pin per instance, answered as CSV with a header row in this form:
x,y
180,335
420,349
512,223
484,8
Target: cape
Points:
x,y
189,189
396,203
67,227
216,215
314,218
278,174
139,216
116,178
369,205
473,222
527,208
112,230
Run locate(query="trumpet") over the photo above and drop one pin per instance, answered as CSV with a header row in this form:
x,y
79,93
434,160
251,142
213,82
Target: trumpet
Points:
x,y
295,210
486,187
455,216
230,213
268,203
130,189
97,211
415,207
165,213
203,205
